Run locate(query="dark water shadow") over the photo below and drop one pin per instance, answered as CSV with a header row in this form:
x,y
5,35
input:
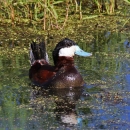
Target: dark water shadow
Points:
x,y
65,100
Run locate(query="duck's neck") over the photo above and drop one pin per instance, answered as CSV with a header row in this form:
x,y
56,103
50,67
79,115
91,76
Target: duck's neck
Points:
x,y
64,61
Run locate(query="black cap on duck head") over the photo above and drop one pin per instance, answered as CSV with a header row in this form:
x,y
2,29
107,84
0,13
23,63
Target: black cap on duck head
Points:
x,y
68,48
62,44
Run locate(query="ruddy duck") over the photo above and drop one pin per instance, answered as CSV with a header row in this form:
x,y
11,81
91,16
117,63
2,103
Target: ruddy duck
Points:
x,y
63,74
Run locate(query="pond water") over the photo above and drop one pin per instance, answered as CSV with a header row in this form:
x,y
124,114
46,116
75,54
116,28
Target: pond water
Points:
x,y
103,103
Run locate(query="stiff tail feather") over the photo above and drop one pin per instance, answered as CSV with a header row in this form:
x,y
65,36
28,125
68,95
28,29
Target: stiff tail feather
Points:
x,y
38,52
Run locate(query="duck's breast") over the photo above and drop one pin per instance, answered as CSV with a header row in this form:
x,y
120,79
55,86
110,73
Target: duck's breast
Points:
x,y
67,77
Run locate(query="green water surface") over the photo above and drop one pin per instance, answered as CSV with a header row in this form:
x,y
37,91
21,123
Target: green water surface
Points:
x,y
103,104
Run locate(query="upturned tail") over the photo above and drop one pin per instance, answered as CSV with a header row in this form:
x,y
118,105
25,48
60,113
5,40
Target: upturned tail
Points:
x,y
38,51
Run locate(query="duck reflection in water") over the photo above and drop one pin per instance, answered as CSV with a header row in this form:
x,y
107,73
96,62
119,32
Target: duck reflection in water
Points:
x,y
66,104
65,101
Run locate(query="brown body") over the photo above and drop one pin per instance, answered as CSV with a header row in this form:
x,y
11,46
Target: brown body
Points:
x,y
62,75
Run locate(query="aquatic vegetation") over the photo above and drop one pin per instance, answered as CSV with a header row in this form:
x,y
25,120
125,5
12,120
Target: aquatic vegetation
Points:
x,y
106,74
53,14
105,100
108,5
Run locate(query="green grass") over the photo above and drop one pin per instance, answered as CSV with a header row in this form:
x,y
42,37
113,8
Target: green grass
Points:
x,y
52,14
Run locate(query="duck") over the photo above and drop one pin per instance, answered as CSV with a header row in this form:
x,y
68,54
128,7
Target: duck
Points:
x,y
63,74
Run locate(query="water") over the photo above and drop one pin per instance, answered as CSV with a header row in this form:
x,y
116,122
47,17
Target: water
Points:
x,y
104,102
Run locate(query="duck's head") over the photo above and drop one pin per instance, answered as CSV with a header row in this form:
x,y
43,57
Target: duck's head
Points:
x,y
68,48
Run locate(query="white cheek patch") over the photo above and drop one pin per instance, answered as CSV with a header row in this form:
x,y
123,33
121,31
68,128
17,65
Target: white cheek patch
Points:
x,y
67,51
